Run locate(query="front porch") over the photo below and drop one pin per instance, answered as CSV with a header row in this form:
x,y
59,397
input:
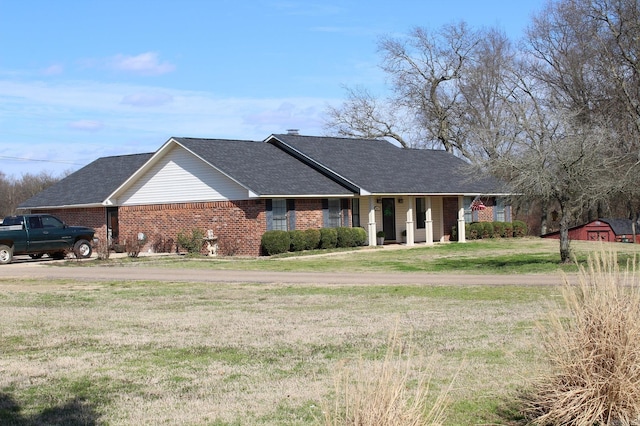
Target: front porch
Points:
x,y
412,219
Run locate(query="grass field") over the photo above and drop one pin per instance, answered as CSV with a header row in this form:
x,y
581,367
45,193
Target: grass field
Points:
x,y
122,353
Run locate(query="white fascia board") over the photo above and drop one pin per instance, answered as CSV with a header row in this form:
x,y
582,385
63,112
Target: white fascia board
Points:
x,y
64,207
306,196
439,194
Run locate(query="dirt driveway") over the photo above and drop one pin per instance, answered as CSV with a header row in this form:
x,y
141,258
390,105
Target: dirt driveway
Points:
x,y
43,269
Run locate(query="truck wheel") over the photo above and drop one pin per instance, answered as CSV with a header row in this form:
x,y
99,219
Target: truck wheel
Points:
x,y
82,249
6,254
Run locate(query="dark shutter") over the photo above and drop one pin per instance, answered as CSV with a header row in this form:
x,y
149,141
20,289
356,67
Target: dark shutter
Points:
x,y
325,212
345,212
291,211
269,214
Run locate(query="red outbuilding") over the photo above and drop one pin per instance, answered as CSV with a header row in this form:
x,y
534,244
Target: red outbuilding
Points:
x,y
606,230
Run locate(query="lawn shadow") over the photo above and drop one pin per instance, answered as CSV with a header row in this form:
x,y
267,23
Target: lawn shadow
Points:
x,y
75,412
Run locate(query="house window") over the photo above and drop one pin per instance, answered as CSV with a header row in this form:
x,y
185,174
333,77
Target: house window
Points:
x,y
335,213
501,212
332,212
279,214
468,213
421,211
355,212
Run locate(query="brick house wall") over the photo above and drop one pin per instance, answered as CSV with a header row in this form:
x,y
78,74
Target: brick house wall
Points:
x,y
486,215
238,225
309,213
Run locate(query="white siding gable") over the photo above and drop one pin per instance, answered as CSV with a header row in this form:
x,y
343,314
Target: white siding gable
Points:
x,y
178,177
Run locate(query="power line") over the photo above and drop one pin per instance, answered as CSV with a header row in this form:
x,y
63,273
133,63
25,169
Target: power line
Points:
x,y
5,157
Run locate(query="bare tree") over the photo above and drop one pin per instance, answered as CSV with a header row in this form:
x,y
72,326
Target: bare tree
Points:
x,y
15,191
569,164
487,97
364,116
425,70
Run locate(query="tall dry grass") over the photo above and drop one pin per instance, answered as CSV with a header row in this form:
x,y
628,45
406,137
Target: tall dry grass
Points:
x,y
392,392
594,354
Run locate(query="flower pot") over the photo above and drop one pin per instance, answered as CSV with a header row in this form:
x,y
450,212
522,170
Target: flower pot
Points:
x,y
380,241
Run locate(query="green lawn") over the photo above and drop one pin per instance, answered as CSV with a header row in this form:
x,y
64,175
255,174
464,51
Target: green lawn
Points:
x,y
501,256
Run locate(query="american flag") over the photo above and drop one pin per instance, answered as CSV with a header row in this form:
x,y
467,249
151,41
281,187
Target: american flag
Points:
x,y
477,204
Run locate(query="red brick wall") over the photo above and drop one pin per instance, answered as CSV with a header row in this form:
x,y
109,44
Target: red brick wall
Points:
x,y
95,218
486,215
309,214
238,225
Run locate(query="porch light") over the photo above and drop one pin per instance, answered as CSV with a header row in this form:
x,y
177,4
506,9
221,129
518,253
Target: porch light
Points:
x,y
378,200
400,200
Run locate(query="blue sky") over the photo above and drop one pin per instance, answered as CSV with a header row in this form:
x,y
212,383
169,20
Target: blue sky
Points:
x,y
82,79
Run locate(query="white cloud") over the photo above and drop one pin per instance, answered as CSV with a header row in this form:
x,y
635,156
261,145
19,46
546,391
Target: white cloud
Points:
x,y
145,64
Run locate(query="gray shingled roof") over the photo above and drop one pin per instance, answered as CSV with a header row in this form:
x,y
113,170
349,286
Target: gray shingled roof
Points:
x,y
381,167
619,226
90,185
263,168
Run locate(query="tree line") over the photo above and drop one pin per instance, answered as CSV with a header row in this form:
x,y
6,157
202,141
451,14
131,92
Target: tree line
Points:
x,y
555,115
14,191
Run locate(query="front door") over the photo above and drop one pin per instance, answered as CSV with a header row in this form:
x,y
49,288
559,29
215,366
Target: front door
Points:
x,y
112,225
389,218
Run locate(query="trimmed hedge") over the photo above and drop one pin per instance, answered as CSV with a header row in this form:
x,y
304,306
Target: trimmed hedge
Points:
x,y
298,240
483,230
276,242
328,238
313,238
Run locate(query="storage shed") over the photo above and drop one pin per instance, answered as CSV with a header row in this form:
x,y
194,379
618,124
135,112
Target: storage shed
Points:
x,y
606,230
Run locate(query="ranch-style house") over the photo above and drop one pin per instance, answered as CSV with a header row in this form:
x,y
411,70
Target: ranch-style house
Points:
x,y
237,190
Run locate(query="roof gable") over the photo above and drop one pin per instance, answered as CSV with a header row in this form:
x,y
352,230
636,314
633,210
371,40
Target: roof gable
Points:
x,y
179,176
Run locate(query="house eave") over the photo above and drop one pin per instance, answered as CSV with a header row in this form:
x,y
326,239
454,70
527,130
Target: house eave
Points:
x,y
306,195
63,206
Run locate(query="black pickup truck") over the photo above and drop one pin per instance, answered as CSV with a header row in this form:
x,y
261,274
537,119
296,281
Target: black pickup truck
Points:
x,y
39,234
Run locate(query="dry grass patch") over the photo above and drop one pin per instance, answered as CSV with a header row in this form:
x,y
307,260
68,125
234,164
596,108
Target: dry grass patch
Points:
x,y
595,353
391,392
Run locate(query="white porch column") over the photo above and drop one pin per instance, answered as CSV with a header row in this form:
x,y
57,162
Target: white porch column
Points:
x,y
410,236
461,228
372,222
428,221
